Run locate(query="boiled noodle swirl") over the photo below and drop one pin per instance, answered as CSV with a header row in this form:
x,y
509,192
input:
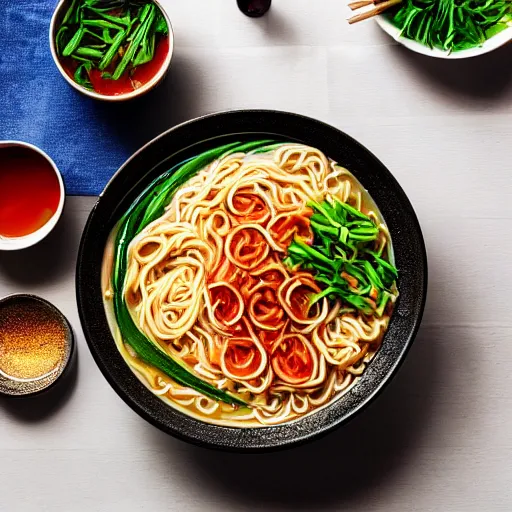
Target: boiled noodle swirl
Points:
x,y
206,282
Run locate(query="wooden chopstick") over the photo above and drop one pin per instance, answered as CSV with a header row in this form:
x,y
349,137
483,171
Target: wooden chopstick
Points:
x,y
380,7
361,3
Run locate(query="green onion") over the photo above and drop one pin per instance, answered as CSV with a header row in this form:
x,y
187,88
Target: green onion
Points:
x,y
79,77
343,258
129,31
146,20
71,13
89,52
451,25
74,42
110,54
101,24
114,19
59,42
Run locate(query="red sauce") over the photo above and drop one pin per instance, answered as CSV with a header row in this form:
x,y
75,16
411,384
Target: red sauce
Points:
x,y
129,81
292,361
287,226
242,357
250,207
226,305
29,191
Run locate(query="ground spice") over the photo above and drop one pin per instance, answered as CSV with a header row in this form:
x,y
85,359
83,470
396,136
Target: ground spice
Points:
x,y
32,339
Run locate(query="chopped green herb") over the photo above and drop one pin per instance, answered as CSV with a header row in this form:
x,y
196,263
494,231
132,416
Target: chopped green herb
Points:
x,y
343,258
451,25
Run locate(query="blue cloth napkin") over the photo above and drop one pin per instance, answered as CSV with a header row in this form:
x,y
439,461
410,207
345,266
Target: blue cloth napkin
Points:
x,y
87,139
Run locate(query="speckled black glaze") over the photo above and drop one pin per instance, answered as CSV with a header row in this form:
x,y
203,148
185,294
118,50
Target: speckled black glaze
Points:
x,y
187,140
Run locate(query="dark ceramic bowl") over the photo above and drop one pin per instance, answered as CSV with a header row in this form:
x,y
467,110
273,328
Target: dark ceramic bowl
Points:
x,y
194,137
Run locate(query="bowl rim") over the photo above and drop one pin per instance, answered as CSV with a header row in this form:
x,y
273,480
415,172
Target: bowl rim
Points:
x,y
121,377
23,242
148,86
491,44
70,339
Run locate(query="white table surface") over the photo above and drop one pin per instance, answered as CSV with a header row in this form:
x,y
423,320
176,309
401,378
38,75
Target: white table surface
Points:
x,y
439,438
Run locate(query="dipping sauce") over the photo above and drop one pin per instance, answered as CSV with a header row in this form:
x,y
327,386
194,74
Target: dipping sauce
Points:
x,y
29,191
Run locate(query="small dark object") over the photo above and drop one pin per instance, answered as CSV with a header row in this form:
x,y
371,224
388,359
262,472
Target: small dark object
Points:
x,y
254,8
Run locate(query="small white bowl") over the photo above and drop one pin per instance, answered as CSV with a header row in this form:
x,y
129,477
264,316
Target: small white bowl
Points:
x,y
22,242
491,44
58,14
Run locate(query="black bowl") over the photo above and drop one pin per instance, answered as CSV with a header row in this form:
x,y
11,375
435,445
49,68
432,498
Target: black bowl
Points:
x,y
187,140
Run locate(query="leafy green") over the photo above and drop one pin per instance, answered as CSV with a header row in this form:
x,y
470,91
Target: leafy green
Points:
x,y
81,75
451,25
59,41
161,25
111,52
128,31
74,42
343,258
71,14
147,17
92,53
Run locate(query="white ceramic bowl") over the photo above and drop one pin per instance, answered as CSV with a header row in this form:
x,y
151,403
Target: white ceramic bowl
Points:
x,y
22,242
59,13
491,44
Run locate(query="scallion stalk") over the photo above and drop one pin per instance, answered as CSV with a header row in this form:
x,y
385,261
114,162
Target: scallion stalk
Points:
x,y
343,258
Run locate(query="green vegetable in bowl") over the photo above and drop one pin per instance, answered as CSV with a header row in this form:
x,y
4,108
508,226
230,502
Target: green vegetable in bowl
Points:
x,y
110,38
451,25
